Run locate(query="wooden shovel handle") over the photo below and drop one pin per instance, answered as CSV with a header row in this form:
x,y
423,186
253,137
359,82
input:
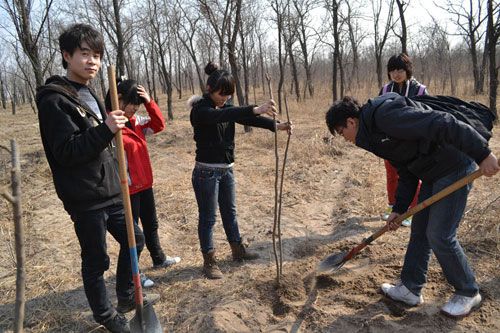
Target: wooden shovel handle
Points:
x,y
424,204
122,168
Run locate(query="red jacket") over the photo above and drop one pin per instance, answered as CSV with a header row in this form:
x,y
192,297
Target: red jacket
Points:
x,y
140,173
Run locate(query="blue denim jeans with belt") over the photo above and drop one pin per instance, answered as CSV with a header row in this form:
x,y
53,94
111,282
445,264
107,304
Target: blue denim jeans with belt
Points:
x,y
435,228
215,187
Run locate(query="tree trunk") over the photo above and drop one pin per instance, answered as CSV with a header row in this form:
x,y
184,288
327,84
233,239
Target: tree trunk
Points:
x,y
493,31
19,238
231,45
403,38
120,47
295,75
484,61
3,96
153,71
336,48
262,69
168,80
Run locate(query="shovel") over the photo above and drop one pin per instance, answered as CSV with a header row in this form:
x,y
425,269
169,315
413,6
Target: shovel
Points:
x,y
335,261
145,319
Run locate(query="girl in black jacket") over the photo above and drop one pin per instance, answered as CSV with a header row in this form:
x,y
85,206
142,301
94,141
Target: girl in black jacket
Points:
x,y
213,119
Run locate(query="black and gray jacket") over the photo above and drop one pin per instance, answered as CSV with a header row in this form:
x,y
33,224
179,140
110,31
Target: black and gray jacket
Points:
x,y
78,148
421,143
409,88
214,128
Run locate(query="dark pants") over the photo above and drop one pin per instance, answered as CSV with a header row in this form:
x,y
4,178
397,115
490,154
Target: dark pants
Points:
x,y
144,208
91,227
435,228
215,187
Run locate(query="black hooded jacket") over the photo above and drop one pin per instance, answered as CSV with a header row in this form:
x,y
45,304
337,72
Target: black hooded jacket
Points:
x,y
421,143
214,128
78,148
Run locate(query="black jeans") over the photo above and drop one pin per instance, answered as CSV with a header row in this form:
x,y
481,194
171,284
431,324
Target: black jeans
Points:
x,y
144,208
91,227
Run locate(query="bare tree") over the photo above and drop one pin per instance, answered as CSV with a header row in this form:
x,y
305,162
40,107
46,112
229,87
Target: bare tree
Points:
x,y
381,32
185,22
356,37
290,37
403,35
233,29
334,20
280,7
469,21
303,10
493,31
211,10
20,13
3,94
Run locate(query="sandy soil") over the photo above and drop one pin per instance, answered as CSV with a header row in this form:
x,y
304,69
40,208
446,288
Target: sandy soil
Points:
x,y
333,196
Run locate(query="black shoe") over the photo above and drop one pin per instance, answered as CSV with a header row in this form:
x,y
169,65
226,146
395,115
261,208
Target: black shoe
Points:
x,y
117,324
127,305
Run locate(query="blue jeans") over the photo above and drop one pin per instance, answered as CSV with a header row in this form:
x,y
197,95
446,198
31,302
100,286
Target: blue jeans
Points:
x,y
91,227
212,187
435,228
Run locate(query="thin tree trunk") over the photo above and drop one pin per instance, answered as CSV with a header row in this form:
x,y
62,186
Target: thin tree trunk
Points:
x,y
120,47
262,69
403,38
493,35
3,96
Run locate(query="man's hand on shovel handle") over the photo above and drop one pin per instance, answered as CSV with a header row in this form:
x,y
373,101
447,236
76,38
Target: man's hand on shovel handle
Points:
x,y
391,223
116,120
489,166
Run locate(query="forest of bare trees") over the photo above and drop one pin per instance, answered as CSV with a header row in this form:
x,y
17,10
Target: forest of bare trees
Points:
x,y
335,47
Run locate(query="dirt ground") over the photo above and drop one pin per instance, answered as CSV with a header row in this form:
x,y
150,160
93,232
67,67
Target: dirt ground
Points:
x,y
333,196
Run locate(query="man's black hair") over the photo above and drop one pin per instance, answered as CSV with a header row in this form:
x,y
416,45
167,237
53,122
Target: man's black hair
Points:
x,y
128,94
400,61
338,113
219,80
73,37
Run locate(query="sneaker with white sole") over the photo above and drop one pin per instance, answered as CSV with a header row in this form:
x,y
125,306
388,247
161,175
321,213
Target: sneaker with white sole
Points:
x,y
387,213
169,261
146,282
406,222
459,306
399,292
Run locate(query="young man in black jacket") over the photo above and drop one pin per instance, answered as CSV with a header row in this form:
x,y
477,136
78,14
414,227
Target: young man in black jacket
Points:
x,y
438,149
77,138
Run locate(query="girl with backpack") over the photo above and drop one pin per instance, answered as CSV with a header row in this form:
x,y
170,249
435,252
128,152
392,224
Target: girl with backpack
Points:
x,y
402,82
213,119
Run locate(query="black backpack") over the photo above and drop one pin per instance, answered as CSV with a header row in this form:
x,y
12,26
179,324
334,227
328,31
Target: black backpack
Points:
x,y
477,115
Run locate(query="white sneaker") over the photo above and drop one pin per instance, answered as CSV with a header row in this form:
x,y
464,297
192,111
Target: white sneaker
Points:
x,y
169,261
387,213
406,222
400,293
145,281
459,306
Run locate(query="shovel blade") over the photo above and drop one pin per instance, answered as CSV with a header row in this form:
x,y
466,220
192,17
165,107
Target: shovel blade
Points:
x,y
147,323
331,263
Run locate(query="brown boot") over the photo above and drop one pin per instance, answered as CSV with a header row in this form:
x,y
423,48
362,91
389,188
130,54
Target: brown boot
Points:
x,y
240,252
210,268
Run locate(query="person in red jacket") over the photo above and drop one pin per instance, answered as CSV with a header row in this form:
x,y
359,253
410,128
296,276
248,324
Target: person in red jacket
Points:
x,y
140,174
402,82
